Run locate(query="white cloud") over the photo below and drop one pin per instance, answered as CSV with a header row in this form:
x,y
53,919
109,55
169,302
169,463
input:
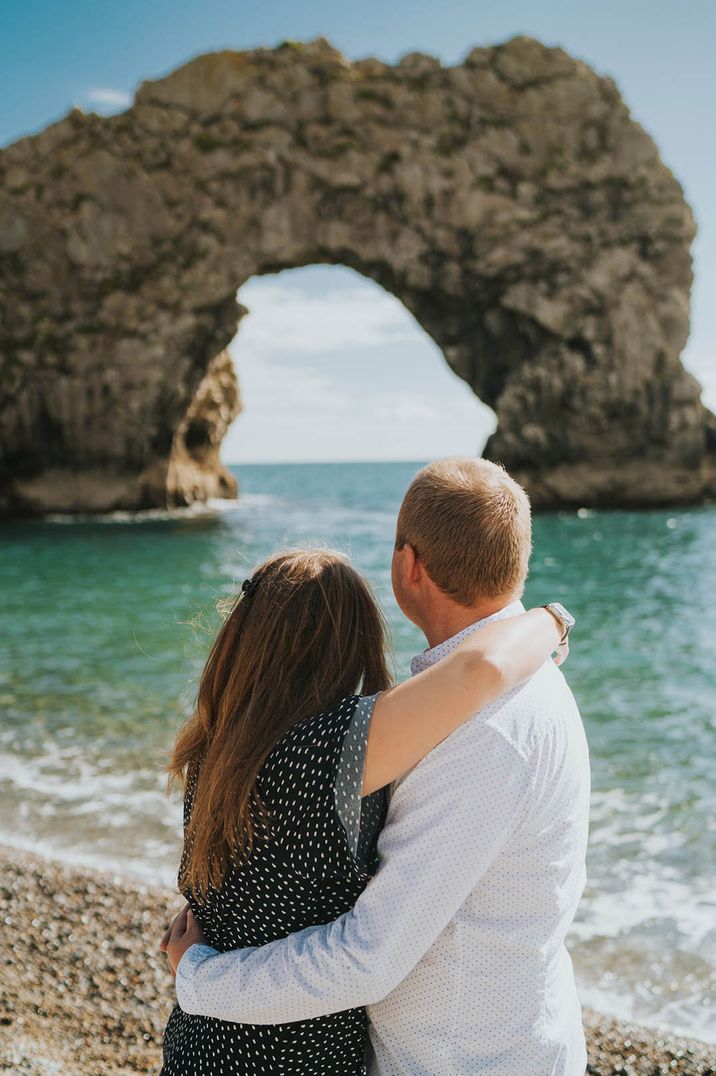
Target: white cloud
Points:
x,y
294,412
283,319
700,358
108,98
343,372
407,409
267,383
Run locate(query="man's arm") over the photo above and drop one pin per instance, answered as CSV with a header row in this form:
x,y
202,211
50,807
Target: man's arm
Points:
x,y
448,820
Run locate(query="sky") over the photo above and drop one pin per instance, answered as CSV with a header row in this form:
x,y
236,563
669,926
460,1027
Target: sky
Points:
x,y
331,366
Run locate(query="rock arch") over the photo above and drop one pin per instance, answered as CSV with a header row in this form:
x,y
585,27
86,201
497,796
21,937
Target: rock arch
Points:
x,y
510,203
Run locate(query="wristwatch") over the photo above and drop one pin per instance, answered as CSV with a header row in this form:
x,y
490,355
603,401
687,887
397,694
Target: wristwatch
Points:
x,y
563,617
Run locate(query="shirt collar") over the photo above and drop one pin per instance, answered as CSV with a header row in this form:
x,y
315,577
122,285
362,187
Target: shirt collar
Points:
x,y
436,653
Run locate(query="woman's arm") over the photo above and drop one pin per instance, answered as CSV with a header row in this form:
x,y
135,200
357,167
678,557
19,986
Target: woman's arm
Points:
x,y
411,719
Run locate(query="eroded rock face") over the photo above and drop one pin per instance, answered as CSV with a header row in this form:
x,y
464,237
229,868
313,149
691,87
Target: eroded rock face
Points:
x,y
510,203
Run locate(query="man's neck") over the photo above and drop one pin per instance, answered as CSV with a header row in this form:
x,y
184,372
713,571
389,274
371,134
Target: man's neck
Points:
x,y
448,619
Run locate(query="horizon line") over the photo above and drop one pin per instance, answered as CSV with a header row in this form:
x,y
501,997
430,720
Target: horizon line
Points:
x,y
313,462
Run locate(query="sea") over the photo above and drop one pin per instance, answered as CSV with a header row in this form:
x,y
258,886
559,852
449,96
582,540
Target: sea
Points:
x,y
105,623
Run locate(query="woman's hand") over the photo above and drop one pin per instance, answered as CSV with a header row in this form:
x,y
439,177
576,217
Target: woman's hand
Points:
x,y
180,936
168,932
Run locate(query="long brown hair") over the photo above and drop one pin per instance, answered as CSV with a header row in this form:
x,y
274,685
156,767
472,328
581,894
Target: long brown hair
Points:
x,y
306,633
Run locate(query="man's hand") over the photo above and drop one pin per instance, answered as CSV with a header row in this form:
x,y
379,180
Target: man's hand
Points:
x,y
561,653
180,936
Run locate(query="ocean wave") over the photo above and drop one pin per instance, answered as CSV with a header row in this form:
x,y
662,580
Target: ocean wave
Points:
x,y
143,870
200,512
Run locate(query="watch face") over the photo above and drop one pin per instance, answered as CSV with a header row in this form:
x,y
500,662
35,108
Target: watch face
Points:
x,y
565,615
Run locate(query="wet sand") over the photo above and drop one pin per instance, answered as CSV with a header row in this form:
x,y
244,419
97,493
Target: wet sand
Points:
x,y
84,990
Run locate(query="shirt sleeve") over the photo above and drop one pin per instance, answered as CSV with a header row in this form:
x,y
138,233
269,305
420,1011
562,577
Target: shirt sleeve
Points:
x,y
440,839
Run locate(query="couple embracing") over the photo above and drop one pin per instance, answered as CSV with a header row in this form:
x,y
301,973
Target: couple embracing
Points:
x,y
380,879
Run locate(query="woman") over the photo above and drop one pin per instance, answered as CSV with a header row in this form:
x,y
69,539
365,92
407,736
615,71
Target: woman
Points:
x,y
294,710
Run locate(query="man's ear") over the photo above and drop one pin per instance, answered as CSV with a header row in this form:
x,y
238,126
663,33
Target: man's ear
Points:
x,y
412,564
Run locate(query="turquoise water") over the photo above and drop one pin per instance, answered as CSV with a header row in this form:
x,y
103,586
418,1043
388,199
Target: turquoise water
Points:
x,y
105,625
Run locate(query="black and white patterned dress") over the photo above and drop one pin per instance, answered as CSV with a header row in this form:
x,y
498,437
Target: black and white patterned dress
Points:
x,y
319,859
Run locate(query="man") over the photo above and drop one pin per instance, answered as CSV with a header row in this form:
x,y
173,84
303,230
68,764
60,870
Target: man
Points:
x,y
456,946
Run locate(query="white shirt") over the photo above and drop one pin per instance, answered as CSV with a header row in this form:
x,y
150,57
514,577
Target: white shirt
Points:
x,y
457,944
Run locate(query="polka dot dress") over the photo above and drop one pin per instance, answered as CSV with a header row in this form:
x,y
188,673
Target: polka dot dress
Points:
x,y
319,859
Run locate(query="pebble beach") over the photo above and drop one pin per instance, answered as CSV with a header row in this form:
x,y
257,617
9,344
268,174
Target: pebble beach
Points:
x,y
84,990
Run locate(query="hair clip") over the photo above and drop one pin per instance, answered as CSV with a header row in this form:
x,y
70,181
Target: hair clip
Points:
x,y
249,586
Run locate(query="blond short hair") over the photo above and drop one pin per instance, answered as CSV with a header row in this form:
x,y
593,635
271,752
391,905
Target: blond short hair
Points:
x,y
470,524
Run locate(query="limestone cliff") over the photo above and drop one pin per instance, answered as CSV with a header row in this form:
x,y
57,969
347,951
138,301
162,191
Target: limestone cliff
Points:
x,y
511,203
